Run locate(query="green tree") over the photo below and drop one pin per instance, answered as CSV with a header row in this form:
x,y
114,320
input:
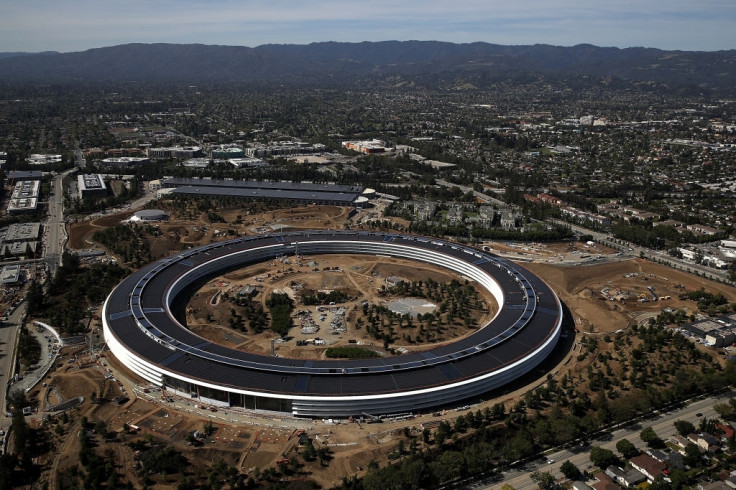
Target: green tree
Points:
x,y
727,411
165,459
498,411
570,471
101,429
651,438
400,447
684,427
281,306
34,297
309,452
602,458
461,424
189,437
324,454
627,449
19,428
692,455
543,479
425,436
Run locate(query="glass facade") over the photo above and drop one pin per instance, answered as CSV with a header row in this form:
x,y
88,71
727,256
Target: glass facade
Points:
x,y
250,402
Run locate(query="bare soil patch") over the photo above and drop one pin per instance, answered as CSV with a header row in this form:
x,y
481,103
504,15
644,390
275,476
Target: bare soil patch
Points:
x,y
581,289
191,227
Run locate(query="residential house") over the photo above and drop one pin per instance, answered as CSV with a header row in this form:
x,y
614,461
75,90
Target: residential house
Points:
x,y
605,482
625,478
706,442
648,466
578,485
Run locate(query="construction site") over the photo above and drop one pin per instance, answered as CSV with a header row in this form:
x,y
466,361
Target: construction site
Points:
x,y
90,389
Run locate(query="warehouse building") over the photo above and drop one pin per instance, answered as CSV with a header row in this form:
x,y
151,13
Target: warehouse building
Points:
x,y
299,192
21,175
118,162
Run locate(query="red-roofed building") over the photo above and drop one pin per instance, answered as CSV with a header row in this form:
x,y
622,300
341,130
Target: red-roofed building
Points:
x,y
727,430
554,201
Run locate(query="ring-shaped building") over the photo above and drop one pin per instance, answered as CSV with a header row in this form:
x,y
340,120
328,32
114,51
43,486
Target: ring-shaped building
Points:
x,y
143,332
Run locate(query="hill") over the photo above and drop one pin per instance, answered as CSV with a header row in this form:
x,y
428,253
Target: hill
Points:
x,y
333,61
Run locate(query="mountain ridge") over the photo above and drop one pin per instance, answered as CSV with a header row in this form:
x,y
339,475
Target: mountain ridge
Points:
x,y
713,71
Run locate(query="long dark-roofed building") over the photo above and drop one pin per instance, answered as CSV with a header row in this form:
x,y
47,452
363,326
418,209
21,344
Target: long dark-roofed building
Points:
x,y
142,329
301,192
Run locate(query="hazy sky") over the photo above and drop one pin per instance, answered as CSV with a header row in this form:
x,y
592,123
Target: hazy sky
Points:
x,y
76,25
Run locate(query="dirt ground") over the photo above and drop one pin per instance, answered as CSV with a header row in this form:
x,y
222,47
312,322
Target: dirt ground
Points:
x,y
627,282
602,291
190,228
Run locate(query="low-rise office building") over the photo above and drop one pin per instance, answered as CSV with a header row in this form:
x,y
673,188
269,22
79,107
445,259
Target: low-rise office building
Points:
x,y
24,198
90,185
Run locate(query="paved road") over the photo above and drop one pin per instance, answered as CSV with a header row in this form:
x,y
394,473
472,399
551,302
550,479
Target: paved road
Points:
x,y
47,357
484,197
632,250
53,240
143,200
55,230
629,250
8,340
663,425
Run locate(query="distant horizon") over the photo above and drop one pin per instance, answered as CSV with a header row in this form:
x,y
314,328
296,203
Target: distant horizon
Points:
x,y
354,42
34,26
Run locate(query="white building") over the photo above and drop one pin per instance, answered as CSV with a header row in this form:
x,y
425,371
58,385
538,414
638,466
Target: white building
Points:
x,y
368,146
24,198
175,152
38,159
246,162
124,161
10,275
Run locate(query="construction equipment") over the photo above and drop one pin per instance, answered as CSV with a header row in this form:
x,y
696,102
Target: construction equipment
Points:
x,y
371,419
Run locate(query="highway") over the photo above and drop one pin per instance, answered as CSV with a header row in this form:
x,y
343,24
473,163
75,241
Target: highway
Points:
x,y
55,229
579,455
627,249
483,197
631,250
8,340
53,246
